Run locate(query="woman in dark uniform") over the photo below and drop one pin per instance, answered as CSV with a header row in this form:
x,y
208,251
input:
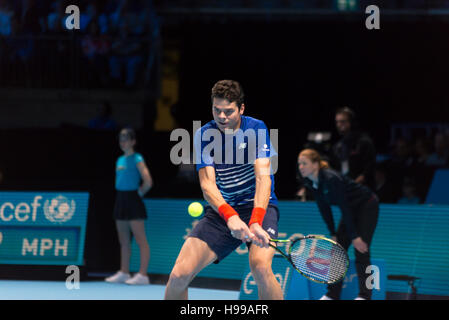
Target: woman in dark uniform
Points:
x,y
129,210
359,207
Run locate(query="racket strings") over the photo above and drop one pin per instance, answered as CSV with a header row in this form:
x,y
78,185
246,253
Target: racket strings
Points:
x,y
320,260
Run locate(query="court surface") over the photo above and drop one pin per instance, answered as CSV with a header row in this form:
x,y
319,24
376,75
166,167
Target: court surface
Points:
x,y
99,290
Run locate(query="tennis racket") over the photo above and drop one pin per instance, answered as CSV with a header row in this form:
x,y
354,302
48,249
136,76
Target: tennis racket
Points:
x,y
317,258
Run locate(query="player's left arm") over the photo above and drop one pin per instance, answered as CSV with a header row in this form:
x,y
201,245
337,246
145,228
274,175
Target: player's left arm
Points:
x,y
262,170
263,182
147,183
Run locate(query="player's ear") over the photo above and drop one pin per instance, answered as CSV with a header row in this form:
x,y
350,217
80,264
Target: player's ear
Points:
x,y
242,108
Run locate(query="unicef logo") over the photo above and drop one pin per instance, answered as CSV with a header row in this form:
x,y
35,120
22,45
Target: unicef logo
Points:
x,y
59,209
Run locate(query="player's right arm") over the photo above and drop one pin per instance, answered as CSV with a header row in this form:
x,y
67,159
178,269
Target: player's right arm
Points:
x,y
213,196
209,187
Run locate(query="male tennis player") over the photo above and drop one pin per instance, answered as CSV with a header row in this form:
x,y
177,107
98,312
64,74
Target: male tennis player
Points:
x,y
233,162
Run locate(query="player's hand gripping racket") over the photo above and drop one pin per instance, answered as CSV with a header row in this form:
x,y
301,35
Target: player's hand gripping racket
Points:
x,y
317,258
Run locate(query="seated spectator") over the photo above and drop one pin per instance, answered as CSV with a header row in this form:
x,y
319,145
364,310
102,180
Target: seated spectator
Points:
x,y
409,193
95,48
139,15
146,20
109,17
402,153
17,54
422,150
103,120
384,188
103,16
20,49
56,18
90,14
125,53
400,164
32,17
441,155
94,44
6,13
128,12
421,171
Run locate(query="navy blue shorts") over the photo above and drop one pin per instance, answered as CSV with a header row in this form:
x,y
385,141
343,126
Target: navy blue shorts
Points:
x,y
213,230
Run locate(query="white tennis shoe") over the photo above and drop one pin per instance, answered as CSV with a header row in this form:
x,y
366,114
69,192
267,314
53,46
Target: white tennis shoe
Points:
x,y
138,279
359,298
325,298
118,277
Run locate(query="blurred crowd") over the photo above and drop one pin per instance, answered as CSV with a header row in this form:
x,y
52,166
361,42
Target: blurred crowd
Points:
x,y
305,4
406,174
116,39
112,44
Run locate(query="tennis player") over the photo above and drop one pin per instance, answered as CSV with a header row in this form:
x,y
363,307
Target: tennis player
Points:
x,y
359,207
238,184
129,210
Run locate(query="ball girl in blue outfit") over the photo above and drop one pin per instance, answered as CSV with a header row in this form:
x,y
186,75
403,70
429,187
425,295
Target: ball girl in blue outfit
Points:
x,y
129,210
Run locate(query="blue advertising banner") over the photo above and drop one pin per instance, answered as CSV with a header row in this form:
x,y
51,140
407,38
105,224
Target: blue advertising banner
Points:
x,y
302,289
411,240
42,228
282,271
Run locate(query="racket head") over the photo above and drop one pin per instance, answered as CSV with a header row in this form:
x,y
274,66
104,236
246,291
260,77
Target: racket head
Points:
x,y
319,259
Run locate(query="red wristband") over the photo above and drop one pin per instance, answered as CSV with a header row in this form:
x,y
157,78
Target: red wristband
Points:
x,y
257,216
226,211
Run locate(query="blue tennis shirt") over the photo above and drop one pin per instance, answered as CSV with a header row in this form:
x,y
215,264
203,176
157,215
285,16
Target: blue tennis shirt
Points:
x,y
127,177
233,156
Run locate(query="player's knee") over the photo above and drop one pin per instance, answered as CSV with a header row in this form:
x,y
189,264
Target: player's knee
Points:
x,y
260,268
180,277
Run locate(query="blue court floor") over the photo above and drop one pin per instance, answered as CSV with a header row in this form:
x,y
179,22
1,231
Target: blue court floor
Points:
x,y
98,290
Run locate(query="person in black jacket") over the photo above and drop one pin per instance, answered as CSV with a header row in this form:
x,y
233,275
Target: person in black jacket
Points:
x,y
359,207
354,155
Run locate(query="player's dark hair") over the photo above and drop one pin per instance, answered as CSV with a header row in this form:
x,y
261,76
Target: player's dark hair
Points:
x,y
230,90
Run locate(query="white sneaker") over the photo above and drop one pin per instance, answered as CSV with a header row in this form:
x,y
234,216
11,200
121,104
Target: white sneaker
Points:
x,y
138,279
118,277
359,298
325,298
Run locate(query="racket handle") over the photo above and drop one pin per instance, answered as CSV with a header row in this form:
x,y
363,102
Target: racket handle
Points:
x,y
280,240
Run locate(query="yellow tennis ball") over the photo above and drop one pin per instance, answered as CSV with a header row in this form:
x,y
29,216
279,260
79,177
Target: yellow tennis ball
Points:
x,y
195,209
